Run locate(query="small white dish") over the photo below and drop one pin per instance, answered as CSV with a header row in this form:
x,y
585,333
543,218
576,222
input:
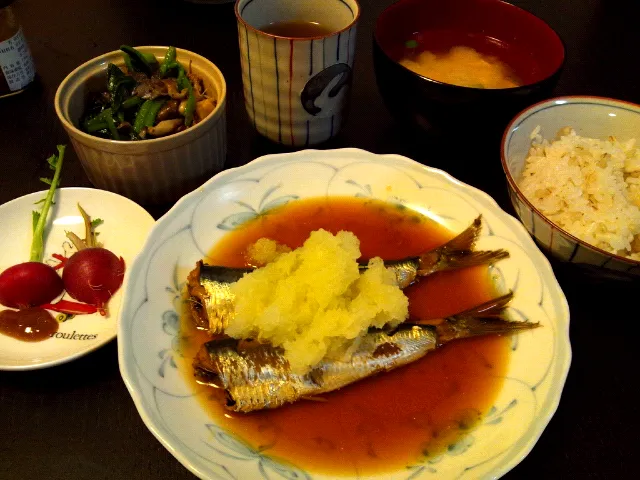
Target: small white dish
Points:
x,y
126,225
148,343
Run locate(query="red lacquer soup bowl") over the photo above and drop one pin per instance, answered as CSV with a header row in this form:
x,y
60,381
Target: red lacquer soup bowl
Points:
x,y
529,47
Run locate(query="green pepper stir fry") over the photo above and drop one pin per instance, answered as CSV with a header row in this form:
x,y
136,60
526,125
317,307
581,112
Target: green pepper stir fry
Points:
x,y
148,99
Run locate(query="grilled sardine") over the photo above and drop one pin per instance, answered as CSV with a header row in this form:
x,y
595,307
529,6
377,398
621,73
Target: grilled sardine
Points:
x,y
256,375
211,300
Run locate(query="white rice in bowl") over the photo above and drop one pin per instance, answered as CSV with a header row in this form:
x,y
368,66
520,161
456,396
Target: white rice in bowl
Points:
x,y
588,187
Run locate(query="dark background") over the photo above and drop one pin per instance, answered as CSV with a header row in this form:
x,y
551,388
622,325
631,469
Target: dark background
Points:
x,y
78,421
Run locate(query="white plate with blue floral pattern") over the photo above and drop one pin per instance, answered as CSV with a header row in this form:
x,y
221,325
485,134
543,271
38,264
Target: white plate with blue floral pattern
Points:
x,y
148,331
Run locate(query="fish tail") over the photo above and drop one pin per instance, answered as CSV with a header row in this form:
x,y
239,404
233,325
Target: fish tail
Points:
x,y
462,259
492,308
485,319
458,253
467,239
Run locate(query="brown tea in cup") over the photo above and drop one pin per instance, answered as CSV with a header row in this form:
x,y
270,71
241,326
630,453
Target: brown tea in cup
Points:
x,y
297,29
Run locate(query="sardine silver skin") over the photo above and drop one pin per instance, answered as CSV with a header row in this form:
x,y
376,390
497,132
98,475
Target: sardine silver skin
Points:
x,y
210,296
259,377
212,300
220,300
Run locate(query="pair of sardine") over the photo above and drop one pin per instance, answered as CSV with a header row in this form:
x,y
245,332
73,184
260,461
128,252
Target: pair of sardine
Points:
x,y
212,303
256,376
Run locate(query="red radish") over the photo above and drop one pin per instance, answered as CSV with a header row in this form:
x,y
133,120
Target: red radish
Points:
x,y
93,275
33,283
29,284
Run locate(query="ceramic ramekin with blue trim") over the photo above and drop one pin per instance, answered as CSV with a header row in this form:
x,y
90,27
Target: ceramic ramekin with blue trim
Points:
x,y
589,116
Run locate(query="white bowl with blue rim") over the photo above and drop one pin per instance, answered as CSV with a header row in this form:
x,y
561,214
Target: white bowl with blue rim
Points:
x,y
149,331
592,117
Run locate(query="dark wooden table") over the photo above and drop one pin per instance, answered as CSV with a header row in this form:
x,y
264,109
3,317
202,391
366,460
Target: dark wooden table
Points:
x,y
78,421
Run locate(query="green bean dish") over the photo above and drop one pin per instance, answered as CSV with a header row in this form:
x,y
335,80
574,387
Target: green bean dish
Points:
x,y
147,99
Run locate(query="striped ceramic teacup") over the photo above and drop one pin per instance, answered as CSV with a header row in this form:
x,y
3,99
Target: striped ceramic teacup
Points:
x,y
297,61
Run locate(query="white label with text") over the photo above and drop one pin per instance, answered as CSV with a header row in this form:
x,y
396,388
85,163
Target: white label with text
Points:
x,y
16,62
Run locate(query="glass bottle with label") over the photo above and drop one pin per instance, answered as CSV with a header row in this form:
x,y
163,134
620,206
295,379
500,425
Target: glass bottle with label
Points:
x,y
16,65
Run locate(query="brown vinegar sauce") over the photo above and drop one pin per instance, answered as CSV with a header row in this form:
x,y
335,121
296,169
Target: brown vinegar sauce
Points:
x,y
29,325
391,420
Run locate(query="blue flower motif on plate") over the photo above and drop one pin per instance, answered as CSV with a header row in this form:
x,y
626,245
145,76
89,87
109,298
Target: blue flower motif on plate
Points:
x,y
236,449
171,325
236,219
